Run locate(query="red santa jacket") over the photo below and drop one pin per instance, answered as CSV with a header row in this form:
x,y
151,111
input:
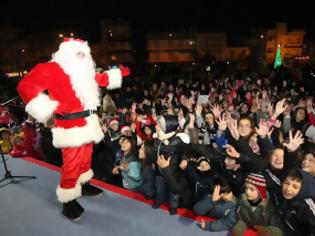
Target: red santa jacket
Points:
x,y
61,99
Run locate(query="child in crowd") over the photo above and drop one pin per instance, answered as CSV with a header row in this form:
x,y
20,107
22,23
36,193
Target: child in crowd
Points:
x,y
147,156
296,204
130,166
222,205
256,211
5,140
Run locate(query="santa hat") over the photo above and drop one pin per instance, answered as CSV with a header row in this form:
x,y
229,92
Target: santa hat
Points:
x,y
113,121
125,129
310,132
259,182
74,45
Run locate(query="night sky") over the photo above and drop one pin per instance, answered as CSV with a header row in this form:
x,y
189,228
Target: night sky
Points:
x,y
82,15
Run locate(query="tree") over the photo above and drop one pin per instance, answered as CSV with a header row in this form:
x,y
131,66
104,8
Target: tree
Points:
x,y
278,61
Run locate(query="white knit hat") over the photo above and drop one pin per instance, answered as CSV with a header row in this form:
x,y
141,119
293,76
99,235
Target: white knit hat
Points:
x,y
310,132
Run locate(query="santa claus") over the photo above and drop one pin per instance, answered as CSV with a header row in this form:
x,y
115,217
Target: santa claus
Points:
x,y
67,89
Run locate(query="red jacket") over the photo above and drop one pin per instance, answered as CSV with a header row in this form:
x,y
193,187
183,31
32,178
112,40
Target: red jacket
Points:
x,y
61,99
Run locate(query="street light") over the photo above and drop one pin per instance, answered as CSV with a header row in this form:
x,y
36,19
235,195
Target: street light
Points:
x,y
60,35
71,34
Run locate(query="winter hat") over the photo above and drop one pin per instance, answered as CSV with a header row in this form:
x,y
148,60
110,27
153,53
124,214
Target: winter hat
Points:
x,y
125,129
202,158
310,132
259,182
168,123
114,121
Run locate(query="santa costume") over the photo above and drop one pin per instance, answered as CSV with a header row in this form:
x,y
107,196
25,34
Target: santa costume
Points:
x,y
67,89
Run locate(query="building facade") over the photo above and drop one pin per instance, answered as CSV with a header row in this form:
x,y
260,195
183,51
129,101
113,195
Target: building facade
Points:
x,y
171,47
264,42
116,42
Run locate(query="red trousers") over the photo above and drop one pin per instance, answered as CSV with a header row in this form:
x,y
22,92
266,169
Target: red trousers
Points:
x,y
76,161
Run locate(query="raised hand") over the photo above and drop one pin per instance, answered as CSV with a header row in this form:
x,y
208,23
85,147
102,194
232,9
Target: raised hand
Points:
x,y
198,109
216,193
263,128
192,120
222,123
294,142
216,110
162,162
281,106
125,71
270,108
231,151
232,125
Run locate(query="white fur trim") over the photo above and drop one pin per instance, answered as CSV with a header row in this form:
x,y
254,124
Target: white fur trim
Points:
x,y
114,78
184,137
76,136
75,46
85,177
65,195
41,107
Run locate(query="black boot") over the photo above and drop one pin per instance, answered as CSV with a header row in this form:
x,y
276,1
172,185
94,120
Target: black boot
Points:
x,y
172,210
90,190
156,205
72,210
78,207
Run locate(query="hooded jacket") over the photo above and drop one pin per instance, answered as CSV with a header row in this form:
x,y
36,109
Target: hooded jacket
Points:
x,y
299,212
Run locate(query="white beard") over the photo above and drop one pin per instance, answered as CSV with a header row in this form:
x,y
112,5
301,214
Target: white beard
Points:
x,y
82,77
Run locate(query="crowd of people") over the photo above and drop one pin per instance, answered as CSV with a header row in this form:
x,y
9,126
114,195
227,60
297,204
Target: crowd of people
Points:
x,y
239,150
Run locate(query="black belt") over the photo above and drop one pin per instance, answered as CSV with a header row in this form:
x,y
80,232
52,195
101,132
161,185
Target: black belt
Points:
x,y
75,115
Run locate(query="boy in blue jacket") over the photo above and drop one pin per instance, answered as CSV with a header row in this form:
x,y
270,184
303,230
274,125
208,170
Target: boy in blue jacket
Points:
x,y
221,205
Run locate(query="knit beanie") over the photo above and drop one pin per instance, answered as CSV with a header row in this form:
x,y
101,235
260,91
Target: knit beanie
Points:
x,y
259,182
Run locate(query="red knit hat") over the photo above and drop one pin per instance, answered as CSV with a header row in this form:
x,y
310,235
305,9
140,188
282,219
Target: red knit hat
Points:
x,y
259,182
